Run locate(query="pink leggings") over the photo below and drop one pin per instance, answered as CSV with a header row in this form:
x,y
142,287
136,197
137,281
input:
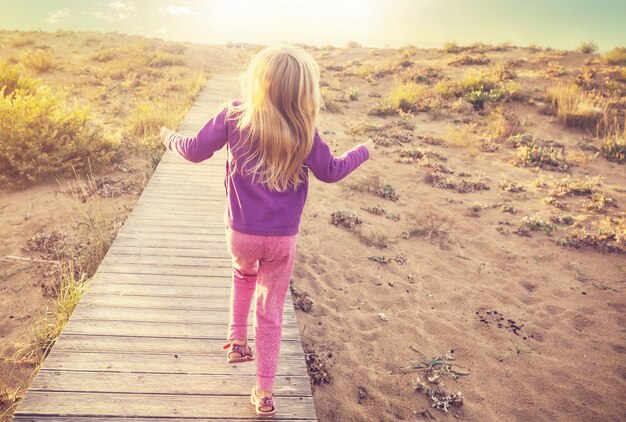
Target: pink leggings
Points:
x,y
264,263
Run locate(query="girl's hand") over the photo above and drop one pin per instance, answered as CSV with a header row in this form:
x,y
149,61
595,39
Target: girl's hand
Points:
x,y
370,148
165,133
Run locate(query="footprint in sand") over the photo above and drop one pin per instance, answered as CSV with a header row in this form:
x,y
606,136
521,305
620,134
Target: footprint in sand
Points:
x,y
581,322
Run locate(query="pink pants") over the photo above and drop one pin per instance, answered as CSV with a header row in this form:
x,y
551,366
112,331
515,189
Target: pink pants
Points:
x,y
263,263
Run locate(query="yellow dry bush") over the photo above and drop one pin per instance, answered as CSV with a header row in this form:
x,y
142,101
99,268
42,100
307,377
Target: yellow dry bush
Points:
x,y
41,137
39,60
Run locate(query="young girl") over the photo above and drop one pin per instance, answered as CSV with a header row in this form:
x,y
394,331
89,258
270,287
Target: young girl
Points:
x,y
272,142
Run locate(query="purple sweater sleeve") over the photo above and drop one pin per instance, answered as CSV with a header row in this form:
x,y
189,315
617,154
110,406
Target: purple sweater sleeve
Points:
x,y
332,169
210,138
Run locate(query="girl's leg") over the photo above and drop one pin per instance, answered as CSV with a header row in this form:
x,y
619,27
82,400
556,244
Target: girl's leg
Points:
x,y
273,277
245,251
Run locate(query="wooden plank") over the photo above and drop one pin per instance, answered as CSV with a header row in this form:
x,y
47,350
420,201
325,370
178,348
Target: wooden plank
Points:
x,y
216,245
162,280
115,382
162,329
159,302
150,405
221,291
166,222
143,227
104,313
156,345
169,270
177,261
216,237
116,250
288,365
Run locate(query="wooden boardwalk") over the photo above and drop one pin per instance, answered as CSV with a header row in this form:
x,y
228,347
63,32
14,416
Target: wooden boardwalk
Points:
x,y
145,342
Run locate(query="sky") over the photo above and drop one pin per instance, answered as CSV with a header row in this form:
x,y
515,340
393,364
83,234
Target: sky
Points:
x,y
562,24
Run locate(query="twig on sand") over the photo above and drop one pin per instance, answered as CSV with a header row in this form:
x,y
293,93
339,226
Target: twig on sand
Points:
x,y
23,258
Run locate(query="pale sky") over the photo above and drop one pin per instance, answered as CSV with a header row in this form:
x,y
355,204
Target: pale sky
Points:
x,y
377,23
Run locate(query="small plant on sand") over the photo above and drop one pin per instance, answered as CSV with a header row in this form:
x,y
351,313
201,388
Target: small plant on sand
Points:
x,y
547,157
352,94
329,102
346,219
466,59
510,186
452,47
478,98
555,70
588,47
580,109
43,137
381,259
387,191
301,299
440,180
69,288
616,56
609,236
417,153
433,370
11,79
535,223
599,203
433,223
161,59
376,210
377,239
39,60
405,97
508,209
570,186
614,150
317,366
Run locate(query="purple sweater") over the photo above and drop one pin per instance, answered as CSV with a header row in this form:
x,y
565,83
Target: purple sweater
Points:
x,y
252,208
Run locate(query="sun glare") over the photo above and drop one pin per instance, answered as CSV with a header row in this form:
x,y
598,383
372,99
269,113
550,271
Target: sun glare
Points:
x,y
282,20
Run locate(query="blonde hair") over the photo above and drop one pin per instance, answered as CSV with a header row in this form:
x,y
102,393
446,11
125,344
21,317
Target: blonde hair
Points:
x,y
279,108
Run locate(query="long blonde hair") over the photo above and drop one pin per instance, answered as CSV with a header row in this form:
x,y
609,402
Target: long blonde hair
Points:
x,y
279,108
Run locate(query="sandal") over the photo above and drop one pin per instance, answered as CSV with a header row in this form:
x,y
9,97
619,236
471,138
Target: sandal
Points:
x,y
244,350
258,401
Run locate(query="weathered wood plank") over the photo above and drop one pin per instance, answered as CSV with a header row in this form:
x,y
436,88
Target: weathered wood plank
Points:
x,y
161,329
119,382
138,251
288,365
156,345
178,261
162,280
170,270
179,244
150,405
164,237
160,302
103,313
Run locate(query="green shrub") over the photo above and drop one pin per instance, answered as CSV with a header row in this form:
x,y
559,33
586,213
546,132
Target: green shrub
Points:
x,y
39,60
614,150
452,47
165,59
534,155
11,79
42,137
588,47
616,56
578,108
